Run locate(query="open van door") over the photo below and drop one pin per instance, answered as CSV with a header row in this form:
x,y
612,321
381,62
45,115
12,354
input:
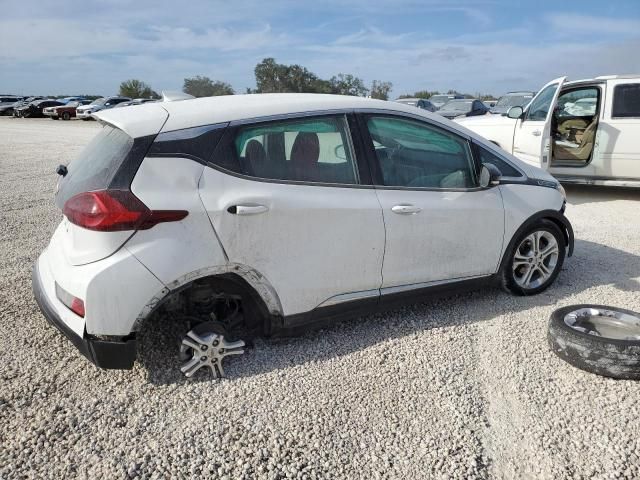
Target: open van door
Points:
x,y
532,134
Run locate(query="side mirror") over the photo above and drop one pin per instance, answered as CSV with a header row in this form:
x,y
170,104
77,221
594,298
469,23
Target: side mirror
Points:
x,y
515,112
489,175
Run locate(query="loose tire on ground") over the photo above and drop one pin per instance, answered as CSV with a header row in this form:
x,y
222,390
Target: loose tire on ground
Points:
x,y
609,357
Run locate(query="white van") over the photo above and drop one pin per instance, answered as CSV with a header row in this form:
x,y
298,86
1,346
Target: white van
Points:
x,y
585,131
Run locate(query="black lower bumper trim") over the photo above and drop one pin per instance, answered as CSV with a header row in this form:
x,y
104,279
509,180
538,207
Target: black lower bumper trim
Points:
x,y
102,353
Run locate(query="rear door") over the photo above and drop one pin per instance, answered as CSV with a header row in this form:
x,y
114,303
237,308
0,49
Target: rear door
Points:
x,y
619,131
532,133
288,199
440,226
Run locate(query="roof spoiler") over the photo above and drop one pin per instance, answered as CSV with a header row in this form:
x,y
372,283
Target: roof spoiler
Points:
x,y
175,96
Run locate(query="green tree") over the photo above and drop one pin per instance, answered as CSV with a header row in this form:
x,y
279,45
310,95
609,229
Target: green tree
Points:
x,y
200,86
272,77
381,90
134,88
426,94
347,84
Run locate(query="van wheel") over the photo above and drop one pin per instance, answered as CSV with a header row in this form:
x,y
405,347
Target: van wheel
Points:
x,y
535,259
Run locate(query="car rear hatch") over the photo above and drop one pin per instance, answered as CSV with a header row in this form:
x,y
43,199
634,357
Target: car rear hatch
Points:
x,y
99,181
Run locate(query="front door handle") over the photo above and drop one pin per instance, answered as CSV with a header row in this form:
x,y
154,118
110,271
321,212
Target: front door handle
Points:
x,y
247,209
536,133
405,209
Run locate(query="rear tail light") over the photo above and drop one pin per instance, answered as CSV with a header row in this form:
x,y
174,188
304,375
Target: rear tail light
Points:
x,y
72,303
114,211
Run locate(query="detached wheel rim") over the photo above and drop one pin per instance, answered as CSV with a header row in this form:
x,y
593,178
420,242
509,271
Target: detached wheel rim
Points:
x,y
606,323
207,350
535,260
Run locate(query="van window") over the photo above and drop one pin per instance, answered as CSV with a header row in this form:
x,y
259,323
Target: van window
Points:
x,y
539,107
309,150
626,101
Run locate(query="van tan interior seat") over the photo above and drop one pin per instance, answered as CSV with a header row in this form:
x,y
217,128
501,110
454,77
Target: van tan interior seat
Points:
x,y
582,152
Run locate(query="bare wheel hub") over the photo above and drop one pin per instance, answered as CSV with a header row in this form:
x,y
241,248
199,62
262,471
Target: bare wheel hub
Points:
x,y
207,349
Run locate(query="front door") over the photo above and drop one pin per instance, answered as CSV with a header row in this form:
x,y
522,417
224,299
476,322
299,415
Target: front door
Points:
x,y
532,134
297,213
439,225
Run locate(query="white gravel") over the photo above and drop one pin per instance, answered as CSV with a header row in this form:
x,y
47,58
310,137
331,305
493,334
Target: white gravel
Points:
x,y
463,387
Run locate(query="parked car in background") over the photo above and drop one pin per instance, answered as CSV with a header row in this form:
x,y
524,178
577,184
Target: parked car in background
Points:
x,y
259,187
35,109
66,111
440,100
512,99
18,107
418,102
467,107
7,102
67,100
136,101
85,111
489,103
577,139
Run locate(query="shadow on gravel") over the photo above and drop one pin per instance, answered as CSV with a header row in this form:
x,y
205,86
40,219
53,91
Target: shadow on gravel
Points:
x,y
593,264
581,194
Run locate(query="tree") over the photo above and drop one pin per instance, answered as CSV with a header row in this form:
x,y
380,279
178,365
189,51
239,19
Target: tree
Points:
x,y
200,86
347,84
426,94
134,88
381,90
272,77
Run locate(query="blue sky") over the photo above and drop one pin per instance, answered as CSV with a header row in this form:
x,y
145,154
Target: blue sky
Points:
x,y
82,46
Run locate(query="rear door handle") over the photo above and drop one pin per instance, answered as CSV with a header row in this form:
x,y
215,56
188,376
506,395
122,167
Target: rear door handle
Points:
x,y
247,209
536,133
405,209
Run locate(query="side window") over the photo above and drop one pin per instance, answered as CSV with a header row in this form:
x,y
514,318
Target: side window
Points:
x,y
540,106
309,150
505,167
582,102
418,155
626,101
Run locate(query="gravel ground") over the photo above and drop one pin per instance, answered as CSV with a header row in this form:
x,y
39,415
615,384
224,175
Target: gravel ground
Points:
x,y
463,387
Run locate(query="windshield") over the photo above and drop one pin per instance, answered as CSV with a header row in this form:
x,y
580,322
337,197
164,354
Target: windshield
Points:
x,y
99,101
456,106
514,100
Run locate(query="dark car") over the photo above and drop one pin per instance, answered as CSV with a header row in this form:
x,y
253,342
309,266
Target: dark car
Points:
x,y
7,102
18,106
34,109
467,107
418,102
512,99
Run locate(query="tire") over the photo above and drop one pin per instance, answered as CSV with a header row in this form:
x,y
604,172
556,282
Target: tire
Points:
x,y
609,357
545,268
66,115
86,119
54,118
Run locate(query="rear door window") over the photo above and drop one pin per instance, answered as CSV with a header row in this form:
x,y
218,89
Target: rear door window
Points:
x,y
308,150
96,165
626,101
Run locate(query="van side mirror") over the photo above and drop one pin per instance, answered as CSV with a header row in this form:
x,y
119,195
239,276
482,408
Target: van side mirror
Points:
x,y
515,112
489,175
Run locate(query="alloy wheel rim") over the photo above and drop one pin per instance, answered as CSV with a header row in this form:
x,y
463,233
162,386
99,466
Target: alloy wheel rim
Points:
x,y
207,351
535,260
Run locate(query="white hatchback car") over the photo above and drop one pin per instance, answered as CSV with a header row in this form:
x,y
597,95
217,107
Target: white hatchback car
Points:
x,y
260,214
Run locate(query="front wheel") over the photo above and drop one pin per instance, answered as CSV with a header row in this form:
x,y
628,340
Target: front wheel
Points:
x,y
534,260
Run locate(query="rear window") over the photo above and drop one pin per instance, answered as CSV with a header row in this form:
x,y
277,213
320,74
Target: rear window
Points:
x,y
96,165
626,101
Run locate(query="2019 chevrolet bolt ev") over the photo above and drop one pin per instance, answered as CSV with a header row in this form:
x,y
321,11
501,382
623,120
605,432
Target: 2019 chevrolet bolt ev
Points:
x,y
260,214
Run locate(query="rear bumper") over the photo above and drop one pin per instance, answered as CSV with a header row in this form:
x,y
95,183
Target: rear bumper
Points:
x,y
102,353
